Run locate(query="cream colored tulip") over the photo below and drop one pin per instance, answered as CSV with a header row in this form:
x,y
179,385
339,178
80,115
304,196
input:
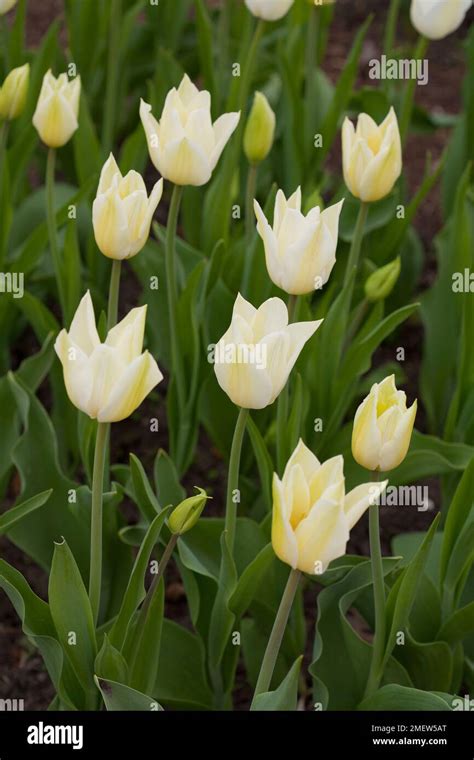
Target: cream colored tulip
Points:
x,y
312,514
185,145
300,251
57,111
255,356
372,156
107,381
269,10
14,92
436,19
382,427
122,212
6,5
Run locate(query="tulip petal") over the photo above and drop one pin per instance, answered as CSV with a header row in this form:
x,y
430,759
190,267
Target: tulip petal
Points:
x,y
359,500
127,336
271,316
322,536
283,537
131,388
223,129
83,331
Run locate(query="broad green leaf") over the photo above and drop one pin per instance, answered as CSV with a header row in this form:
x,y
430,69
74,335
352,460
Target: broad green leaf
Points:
x,y
401,698
119,697
17,513
285,695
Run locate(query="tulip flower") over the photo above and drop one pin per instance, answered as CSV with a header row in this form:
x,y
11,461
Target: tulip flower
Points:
x,y
107,381
14,92
381,282
382,427
372,156
185,145
438,18
259,130
255,356
56,115
185,515
122,211
6,5
300,251
312,513
269,10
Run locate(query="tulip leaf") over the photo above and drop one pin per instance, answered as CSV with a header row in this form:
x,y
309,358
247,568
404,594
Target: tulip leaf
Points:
x,y
72,615
401,698
145,646
459,514
167,485
459,625
263,459
119,697
135,592
16,514
250,581
285,695
182,651
430,664
402,594
340,682
145,498
109,663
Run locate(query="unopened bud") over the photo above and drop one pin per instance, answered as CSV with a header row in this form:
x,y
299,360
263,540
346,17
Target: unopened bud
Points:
x,y
13,93
381,282
186,514
259,131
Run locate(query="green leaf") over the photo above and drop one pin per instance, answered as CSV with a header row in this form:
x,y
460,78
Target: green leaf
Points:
x,y
285,696
183,652
250,581
145,498
403,593
16,514
167,485
109,663
459,625
118,697
459,512
401,698
146,642
72,615
135,592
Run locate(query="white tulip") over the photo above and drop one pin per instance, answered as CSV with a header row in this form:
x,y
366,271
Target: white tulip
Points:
x,y
255,356
269,10
300,251
436,19
107,381
185,145
122,211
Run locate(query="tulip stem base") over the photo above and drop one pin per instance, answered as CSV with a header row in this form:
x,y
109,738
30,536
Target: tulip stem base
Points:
x,y
113,63
114,289
95,574
354,253
52,231
233,477
378,649
276,636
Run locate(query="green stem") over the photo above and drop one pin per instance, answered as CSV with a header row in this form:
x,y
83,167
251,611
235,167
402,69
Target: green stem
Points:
x,y
114,289
249,198
4,38
95,575
282,404
409,94
354,253
359,315
276,636
391,28
3,159
53,237
311,60
378,648
248,68
169,549
112,75
233,476
172,291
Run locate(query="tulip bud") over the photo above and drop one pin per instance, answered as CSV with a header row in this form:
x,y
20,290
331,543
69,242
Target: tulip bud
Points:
x,y
57,110
109,380
6,5
186,514
14,92
185,145
382,427
438,18
381,282
122,211
254,358
312,513
371,156
269,10
300,251
259,131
